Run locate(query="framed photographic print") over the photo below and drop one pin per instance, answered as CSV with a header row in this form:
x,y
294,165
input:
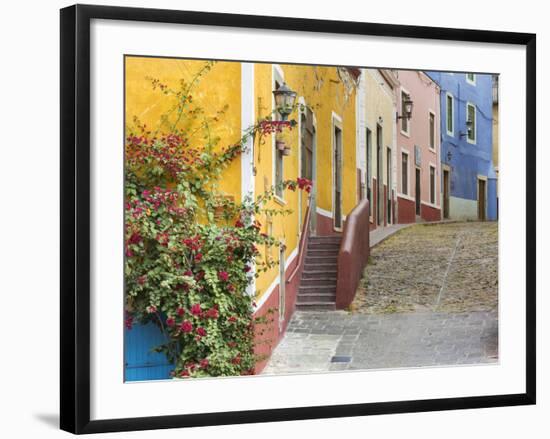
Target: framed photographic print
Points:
x,y
273,218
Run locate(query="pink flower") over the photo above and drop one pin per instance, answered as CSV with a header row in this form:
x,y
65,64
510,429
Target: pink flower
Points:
x,y
204,363
186,326
201,331
247,268
198,257
129,322
223,275
170,321
141,280
151,309
188,273
230,288
180,311
135,238
196,309
212,313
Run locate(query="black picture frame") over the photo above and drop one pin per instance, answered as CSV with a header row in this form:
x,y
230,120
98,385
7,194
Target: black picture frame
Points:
x,y
75,217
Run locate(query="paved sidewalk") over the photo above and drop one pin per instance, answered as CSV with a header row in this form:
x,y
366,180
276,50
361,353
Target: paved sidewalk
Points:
x,y
336,340
381,233
430,298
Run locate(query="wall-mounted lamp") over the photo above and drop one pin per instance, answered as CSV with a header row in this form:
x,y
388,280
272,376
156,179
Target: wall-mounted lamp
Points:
x,y
469,126
284,100
406,108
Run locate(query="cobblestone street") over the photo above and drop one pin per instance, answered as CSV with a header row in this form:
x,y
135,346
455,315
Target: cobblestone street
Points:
x,y
429,297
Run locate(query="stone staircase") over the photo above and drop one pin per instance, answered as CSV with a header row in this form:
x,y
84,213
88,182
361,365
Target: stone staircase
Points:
x,y
318,284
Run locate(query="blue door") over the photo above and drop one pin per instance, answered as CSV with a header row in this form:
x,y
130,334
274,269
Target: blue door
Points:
x,y
140,362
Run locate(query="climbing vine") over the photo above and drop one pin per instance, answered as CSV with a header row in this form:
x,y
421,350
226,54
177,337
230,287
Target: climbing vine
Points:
x,y
191,251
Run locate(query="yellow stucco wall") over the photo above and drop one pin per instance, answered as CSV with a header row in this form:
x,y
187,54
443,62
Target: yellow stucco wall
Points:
x,y
321,88
150,105
379,103
323,91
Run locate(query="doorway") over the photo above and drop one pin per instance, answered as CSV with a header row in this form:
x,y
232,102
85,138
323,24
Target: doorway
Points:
x,y
446,193
481,204
389,190
379,185
417,191
337,178
307,165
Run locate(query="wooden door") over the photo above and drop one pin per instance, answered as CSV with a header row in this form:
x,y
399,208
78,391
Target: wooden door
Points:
x,y
481,205
388,185
307,158
141,363
446,193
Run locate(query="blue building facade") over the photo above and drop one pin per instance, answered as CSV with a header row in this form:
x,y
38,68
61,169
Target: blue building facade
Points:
x,y
469,181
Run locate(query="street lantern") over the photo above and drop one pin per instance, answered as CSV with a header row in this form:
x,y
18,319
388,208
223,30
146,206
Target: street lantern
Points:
x,y
469,127
406,108
284,100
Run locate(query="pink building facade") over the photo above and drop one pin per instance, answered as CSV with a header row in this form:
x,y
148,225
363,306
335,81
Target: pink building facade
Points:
x,y
418,158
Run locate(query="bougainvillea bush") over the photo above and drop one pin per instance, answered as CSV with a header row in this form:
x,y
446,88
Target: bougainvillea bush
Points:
x,y
191,251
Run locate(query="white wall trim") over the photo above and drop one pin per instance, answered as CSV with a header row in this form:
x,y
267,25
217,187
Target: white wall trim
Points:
x,y
450,132
406,197
247,157
336,123
470,81
324,212
435,206
430,112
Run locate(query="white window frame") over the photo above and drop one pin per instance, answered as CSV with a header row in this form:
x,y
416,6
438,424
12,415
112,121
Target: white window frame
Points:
x,y
406,133
405,152
432,113
471,81
474,140
277,75
434,182
447,96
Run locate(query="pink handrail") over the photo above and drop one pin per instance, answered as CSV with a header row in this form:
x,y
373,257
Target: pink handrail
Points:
x,y
353,254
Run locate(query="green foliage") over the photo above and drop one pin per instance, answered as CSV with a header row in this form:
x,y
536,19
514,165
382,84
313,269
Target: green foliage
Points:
x,y
190,250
